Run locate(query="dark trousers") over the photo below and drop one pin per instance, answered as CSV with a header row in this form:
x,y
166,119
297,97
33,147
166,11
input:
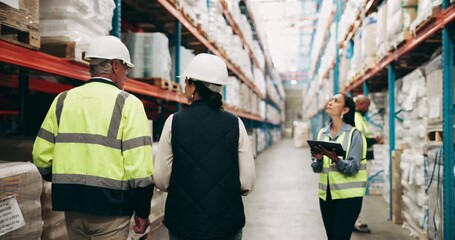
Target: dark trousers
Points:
x,y
339,216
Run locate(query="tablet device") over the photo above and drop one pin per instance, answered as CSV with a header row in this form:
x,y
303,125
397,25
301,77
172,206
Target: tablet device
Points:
x,y
329,146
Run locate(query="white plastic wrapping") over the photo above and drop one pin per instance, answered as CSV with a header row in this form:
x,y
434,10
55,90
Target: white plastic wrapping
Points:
x,y
381,29
73,20
150,54
414,180
186,55
23,181
368,46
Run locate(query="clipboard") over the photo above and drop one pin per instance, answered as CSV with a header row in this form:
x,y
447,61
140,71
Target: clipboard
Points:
x,y
329,146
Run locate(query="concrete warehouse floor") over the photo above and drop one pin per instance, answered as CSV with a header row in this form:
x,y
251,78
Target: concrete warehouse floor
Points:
x,y
284,204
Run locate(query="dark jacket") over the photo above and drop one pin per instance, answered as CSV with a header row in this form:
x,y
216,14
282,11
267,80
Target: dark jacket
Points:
x,y
204,197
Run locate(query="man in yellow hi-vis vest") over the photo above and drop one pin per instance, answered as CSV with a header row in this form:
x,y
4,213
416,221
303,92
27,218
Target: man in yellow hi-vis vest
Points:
x,y
362,103
95,147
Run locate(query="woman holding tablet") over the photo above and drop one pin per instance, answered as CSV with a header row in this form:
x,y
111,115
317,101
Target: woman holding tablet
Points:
x,y
342,179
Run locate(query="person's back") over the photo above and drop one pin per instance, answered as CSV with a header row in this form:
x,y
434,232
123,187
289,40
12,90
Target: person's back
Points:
x,y
204,190
95,147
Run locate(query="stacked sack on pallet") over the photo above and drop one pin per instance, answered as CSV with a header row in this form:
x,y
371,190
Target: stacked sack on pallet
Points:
x,y
433,71
425,10
415,200
400,15
73,20
222,35
232,92
259,80
368,42
150,55
381,31
20,183
412,106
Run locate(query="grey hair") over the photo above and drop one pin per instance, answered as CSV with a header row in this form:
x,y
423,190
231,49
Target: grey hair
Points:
x,y
103,67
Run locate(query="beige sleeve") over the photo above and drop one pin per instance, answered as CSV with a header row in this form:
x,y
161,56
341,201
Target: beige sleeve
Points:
x,y
164,157
246,161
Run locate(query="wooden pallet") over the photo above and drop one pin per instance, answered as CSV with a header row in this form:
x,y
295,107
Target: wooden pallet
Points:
x,y
28,38
161,82
67,50
424,18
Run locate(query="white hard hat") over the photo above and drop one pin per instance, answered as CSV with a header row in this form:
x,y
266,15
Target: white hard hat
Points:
x,y
209,69
108,47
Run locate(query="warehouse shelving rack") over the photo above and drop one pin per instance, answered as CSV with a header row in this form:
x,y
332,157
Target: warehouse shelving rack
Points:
x,y
158,102
437,32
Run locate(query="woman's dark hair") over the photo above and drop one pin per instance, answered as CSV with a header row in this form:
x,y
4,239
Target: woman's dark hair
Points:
x,y
213,98
349,116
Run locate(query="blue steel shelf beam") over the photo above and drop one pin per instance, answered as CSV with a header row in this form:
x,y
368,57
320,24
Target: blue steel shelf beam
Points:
x,y
177,43
447,100
117,19
391,82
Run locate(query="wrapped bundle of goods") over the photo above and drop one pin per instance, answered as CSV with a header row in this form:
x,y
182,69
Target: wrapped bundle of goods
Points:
x,y
20,190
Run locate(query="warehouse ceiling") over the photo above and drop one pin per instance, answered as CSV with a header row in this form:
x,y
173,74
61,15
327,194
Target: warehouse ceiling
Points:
x,y
286,28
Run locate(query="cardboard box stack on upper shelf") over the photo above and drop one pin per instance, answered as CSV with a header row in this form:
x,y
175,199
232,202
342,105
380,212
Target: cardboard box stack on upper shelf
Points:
x,y
21,183
68,27
20,24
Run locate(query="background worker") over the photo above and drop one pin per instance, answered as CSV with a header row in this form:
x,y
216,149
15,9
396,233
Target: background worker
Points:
x,y
204,160
362,104
342,180
95,147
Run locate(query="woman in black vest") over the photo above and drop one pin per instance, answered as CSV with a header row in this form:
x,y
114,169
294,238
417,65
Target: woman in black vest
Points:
x,y
204,160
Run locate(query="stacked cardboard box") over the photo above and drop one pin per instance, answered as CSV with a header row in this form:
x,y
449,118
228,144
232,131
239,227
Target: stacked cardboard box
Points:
x,y
22,182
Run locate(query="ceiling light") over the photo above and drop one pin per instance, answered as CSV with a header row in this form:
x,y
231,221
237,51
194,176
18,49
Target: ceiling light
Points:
x,y
293,82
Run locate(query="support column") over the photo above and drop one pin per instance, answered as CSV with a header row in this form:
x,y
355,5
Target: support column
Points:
x,y
117,19
177,43
391,83
447,101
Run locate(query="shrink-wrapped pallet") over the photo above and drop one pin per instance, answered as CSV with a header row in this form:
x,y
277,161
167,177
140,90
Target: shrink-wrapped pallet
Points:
x,y
157,61
433,71
186,55
368,42
415,200
398,24
381,30
22,182
135,44
54,226
72,20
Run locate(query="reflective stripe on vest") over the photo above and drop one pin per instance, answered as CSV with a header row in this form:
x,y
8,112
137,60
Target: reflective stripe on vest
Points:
x,y
87,138
341,185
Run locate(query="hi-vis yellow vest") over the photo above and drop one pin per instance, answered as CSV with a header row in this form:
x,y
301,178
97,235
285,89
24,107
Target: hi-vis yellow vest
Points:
x,y
96,143
362,125
342,186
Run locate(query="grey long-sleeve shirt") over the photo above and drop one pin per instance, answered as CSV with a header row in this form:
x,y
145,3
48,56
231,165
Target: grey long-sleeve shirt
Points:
x,y
351,165
164,158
